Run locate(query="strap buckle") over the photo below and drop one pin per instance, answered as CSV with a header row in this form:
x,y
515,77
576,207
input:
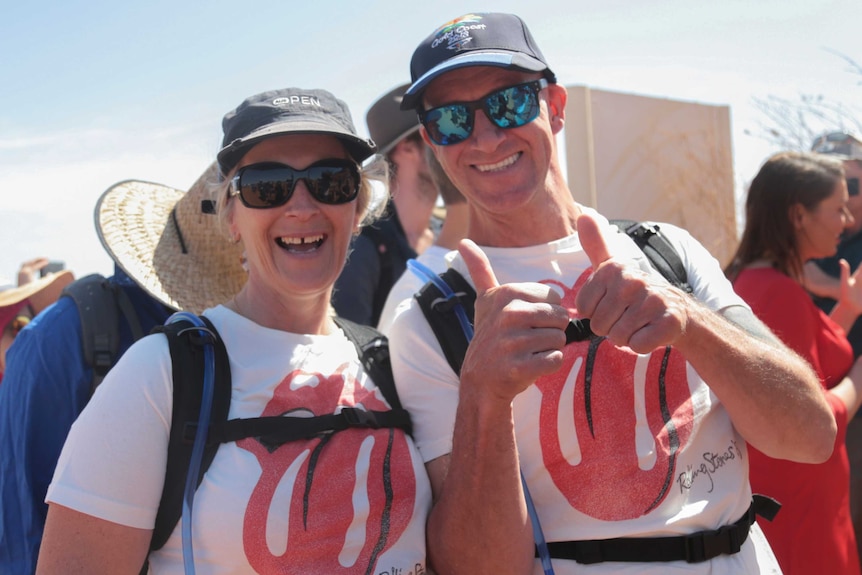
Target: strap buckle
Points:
x,y
359,418
702,546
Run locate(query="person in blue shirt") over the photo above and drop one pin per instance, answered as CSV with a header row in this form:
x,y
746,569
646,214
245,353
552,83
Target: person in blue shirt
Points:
x,y
155,235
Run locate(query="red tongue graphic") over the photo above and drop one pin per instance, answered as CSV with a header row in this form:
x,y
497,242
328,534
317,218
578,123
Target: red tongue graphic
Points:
x,y
605,425
355,476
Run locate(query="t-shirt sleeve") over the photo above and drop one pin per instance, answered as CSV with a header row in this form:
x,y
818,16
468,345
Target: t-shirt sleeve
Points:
x,y
113,463
426,384
705,275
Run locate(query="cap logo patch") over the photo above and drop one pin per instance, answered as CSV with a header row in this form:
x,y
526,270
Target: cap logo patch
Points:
x,y
303,100
456,33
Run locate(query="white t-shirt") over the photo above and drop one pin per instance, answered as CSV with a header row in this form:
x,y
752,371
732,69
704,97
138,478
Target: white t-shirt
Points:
x,y
356,501
434,258
618,466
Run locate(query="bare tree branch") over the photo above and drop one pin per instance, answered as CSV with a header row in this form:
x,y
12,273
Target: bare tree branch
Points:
x,y
793,124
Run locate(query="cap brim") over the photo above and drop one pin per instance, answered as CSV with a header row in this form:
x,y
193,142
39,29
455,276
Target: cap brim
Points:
x,y
358,148
398,138
498,58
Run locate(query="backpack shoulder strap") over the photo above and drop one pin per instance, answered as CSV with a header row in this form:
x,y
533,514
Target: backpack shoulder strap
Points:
x,y
658,249
385,234
439,311
186,344
100,303
373,349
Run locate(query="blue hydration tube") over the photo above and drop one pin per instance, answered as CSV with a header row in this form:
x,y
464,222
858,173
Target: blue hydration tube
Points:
x,y
200,438
427,274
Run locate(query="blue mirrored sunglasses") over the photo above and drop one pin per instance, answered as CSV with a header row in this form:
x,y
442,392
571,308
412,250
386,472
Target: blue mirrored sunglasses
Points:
x,y
507,108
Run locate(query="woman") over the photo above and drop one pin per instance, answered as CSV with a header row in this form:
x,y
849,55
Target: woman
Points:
x,y
796,211
294,195
21,304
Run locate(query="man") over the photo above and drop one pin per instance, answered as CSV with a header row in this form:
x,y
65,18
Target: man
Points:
x,y
615,436
453,229
823,278
379,254
163,248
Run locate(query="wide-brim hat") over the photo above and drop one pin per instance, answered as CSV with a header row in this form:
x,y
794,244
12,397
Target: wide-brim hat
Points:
x,y
163,239
387,123
477,39
41,292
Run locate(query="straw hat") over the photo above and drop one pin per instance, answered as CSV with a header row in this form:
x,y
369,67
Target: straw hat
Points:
x,y
162,239
41,292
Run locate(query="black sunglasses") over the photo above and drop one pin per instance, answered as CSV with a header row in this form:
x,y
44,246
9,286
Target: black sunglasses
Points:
x,y
269,185
510,107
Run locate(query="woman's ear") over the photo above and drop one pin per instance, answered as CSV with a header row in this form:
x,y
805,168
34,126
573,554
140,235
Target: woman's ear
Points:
x,y
796,213
357,223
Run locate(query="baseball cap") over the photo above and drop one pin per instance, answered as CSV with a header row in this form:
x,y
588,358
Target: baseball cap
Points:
x,y
476,39
842,144
387,123
288,111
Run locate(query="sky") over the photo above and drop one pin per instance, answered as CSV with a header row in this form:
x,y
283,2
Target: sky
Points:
x,y
93,92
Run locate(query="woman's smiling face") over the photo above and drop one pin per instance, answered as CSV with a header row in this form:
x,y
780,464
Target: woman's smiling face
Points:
x,y
298,248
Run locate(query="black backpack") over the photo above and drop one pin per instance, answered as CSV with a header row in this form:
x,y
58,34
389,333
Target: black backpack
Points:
x,y
187,345
440,310
100,304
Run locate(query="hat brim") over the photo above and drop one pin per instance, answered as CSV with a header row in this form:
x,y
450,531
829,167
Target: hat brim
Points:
x,y
358,148
41,292
497,58
398,138
161,238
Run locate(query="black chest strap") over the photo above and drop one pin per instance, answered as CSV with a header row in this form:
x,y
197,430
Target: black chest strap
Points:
x,y
274,431
691,548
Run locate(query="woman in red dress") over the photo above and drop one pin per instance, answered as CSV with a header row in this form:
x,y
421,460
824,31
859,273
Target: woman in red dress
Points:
x,y
796,211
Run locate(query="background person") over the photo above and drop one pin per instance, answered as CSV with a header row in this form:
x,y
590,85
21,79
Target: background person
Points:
x,y
378,255
293,195
796,210
823,279
18,306
823,275
32,270
167,255
453,230
610,433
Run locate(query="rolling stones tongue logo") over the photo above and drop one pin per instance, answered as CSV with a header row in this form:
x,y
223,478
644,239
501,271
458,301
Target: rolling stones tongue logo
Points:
x,y
613,422
348,496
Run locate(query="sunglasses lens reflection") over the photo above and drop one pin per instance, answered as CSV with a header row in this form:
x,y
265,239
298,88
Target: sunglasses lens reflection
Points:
x,y
510,107
264,186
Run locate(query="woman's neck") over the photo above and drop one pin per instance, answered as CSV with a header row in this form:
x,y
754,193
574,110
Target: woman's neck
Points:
x,y
307,315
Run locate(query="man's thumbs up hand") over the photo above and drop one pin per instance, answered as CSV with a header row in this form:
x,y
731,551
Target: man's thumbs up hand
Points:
x,y
629,305
518,332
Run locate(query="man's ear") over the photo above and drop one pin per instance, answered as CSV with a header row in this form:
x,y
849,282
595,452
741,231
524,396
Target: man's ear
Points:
x,y
424,133
557,97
